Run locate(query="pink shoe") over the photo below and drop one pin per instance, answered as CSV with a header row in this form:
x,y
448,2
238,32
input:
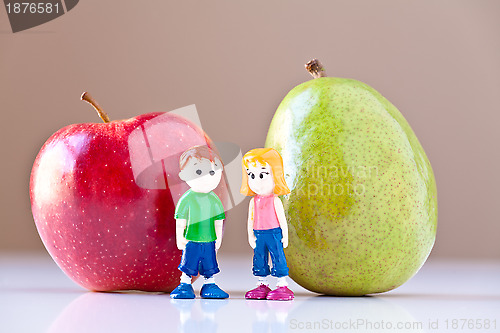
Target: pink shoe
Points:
x,y
280,294
258,293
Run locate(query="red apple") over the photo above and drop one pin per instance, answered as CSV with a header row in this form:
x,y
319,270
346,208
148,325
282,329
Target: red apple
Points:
x,y
103,199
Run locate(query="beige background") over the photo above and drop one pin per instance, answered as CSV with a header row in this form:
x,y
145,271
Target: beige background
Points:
x,y
437,61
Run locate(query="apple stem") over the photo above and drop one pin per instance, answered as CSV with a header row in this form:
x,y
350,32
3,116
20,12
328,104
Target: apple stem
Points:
x,y
87,98
315,68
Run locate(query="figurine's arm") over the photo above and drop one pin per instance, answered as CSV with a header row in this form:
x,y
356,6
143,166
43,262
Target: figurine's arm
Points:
x,y
251,235
280,213
180,226
218,233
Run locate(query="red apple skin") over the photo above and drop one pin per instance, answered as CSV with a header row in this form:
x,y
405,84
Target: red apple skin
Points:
x,y
103,230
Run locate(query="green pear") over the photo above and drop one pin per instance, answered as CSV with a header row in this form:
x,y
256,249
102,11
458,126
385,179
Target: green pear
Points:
x,y
362,211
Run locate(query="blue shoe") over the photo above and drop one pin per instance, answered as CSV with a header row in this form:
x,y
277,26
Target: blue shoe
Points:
x,y
183,291
211,290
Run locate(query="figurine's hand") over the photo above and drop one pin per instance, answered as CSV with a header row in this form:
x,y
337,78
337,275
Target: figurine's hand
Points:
x,y
252,241
218,242
181,243
284,240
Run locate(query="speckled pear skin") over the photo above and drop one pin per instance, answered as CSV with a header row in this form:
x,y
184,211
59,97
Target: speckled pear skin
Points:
x,y
362,211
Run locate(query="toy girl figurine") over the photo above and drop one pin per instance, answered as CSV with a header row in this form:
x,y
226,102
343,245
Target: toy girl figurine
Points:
x,y
267,227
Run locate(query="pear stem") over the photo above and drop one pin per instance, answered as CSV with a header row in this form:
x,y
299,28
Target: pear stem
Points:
x,y
87,98
315,68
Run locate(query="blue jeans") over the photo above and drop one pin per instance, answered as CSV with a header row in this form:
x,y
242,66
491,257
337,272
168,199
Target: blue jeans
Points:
x,y
199,257
269,242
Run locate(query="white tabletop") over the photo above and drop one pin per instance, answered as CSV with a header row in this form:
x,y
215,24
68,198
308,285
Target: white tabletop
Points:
x,y
454,296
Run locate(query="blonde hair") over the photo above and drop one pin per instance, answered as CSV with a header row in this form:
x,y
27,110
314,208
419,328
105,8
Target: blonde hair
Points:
x,y
263,156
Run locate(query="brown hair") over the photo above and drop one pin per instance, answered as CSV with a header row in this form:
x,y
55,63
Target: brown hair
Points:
x,y
263,156
198,152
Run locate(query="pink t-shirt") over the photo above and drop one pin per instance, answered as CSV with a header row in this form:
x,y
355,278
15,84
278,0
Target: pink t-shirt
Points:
x,y
264,217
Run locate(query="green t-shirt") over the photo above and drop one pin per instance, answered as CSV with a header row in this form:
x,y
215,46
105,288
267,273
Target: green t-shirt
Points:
x,y
200,210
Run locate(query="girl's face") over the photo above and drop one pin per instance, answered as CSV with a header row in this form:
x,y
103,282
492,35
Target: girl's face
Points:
x,y
260,178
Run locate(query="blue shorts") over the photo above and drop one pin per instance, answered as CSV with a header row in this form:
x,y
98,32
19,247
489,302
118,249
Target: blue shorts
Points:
x,y
269,241
199,257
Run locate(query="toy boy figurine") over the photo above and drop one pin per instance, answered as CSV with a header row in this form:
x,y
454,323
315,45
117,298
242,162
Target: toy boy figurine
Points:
x,y
199,214
267,226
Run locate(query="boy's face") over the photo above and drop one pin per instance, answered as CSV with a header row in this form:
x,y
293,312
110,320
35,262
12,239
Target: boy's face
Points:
x,y
202,175
260,178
